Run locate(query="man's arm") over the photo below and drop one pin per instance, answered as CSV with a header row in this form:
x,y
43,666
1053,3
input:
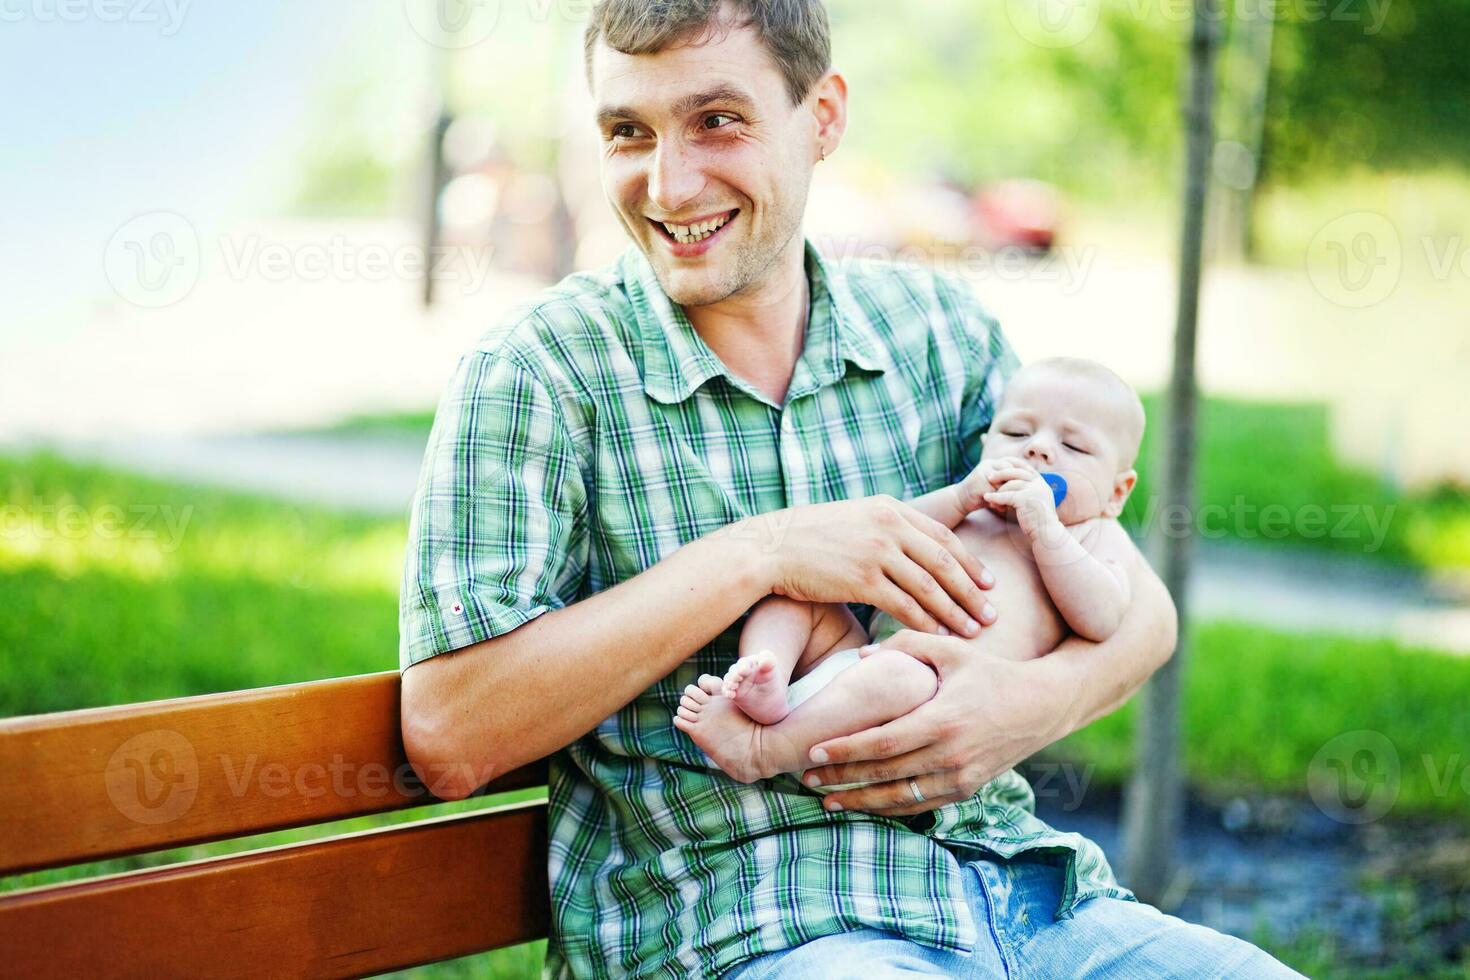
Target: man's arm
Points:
x,y
475,713
989,714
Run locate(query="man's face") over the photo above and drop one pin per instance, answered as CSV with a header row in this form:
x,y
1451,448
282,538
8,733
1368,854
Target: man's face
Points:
x,y
703,134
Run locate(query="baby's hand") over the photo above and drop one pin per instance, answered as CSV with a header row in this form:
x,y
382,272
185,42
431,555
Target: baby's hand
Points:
x,y
997,472
1021,488
988,476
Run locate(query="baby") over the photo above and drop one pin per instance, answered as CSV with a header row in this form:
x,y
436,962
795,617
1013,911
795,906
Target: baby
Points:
x,y
1061,563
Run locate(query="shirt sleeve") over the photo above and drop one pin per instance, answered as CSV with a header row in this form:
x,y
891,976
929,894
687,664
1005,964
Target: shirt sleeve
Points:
x,y
498,528
991,363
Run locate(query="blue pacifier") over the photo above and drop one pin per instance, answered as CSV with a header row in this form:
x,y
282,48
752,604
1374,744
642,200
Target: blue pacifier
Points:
x,y
1058,484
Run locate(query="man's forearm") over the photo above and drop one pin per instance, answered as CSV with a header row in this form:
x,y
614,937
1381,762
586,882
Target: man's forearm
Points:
x,y
1095,679
489,708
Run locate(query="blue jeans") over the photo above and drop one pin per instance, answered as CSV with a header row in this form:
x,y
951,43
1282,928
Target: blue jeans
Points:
x,y
1014,906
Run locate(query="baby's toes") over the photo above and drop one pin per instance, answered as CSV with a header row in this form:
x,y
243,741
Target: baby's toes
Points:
x,y
711,684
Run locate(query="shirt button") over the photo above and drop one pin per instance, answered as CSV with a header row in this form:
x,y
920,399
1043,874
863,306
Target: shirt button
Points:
x,y
786,424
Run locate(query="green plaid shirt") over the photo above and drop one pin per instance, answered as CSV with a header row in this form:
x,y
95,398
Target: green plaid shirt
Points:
x,y
593,433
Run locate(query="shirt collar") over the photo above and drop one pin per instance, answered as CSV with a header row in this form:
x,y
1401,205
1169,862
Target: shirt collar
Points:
x,y
677,361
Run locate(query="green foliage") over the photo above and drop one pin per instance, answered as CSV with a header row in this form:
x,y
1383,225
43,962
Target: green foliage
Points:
x,y
1266,473
1344,94
956,89
1259,704
950,89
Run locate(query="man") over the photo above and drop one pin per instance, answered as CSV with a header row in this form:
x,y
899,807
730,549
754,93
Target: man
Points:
x,y
624,467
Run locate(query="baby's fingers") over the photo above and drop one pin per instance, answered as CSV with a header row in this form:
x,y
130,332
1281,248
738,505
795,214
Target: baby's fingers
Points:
x,y
1011,474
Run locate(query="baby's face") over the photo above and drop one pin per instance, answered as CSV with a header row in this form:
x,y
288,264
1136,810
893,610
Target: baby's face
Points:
x,y
1064,422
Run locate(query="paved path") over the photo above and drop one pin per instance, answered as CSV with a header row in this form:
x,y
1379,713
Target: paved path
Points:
x,y
1280,586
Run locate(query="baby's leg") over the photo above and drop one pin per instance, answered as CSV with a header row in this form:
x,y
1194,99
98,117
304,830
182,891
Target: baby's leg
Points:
x,y
877,689
771,641
783,638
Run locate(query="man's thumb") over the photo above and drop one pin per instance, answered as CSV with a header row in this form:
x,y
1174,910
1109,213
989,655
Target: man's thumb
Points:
x,y
920,646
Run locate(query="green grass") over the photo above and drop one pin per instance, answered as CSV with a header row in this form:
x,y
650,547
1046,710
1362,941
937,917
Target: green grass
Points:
x,y
1260,705
1266,474
97,607
106,601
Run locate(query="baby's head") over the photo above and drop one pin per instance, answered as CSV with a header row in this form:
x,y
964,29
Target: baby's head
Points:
x,y
1074,417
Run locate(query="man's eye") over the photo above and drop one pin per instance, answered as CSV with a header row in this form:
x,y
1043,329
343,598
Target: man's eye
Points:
x,y
709,121
623,131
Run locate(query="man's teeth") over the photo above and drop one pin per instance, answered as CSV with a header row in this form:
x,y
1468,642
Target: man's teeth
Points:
x,y
687,234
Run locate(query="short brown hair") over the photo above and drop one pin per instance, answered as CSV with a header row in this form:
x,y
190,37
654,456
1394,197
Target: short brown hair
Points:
x,y
794,31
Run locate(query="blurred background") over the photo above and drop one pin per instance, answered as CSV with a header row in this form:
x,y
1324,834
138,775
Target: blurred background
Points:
x,y
244,245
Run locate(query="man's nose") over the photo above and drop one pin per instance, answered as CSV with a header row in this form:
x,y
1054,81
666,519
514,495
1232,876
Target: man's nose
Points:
x,y
675,179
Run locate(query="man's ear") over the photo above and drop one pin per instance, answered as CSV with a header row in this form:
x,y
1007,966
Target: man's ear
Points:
x,y
1122,487
828,100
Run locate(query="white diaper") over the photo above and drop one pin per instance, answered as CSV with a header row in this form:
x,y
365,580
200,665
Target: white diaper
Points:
x,y
814,680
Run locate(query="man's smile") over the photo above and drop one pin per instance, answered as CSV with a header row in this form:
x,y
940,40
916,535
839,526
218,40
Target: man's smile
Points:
x,y
694,237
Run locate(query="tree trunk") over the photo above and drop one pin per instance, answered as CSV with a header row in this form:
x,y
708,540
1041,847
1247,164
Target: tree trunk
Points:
x,y
1240,110
1155,803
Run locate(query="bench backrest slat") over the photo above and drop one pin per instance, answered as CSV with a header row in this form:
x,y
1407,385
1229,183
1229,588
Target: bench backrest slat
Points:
x,y
346,906
105,782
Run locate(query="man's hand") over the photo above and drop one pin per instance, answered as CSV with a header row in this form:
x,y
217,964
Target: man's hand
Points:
x,y
988,715
879,551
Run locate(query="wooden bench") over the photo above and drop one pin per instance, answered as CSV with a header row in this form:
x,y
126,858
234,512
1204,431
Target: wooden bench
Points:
x,y
83,786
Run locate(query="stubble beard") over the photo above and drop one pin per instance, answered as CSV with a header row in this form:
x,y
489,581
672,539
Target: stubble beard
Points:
x,y
748,267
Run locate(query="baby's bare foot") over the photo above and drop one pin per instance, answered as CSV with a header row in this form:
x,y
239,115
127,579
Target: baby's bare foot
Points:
x,y
754,684
722,730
